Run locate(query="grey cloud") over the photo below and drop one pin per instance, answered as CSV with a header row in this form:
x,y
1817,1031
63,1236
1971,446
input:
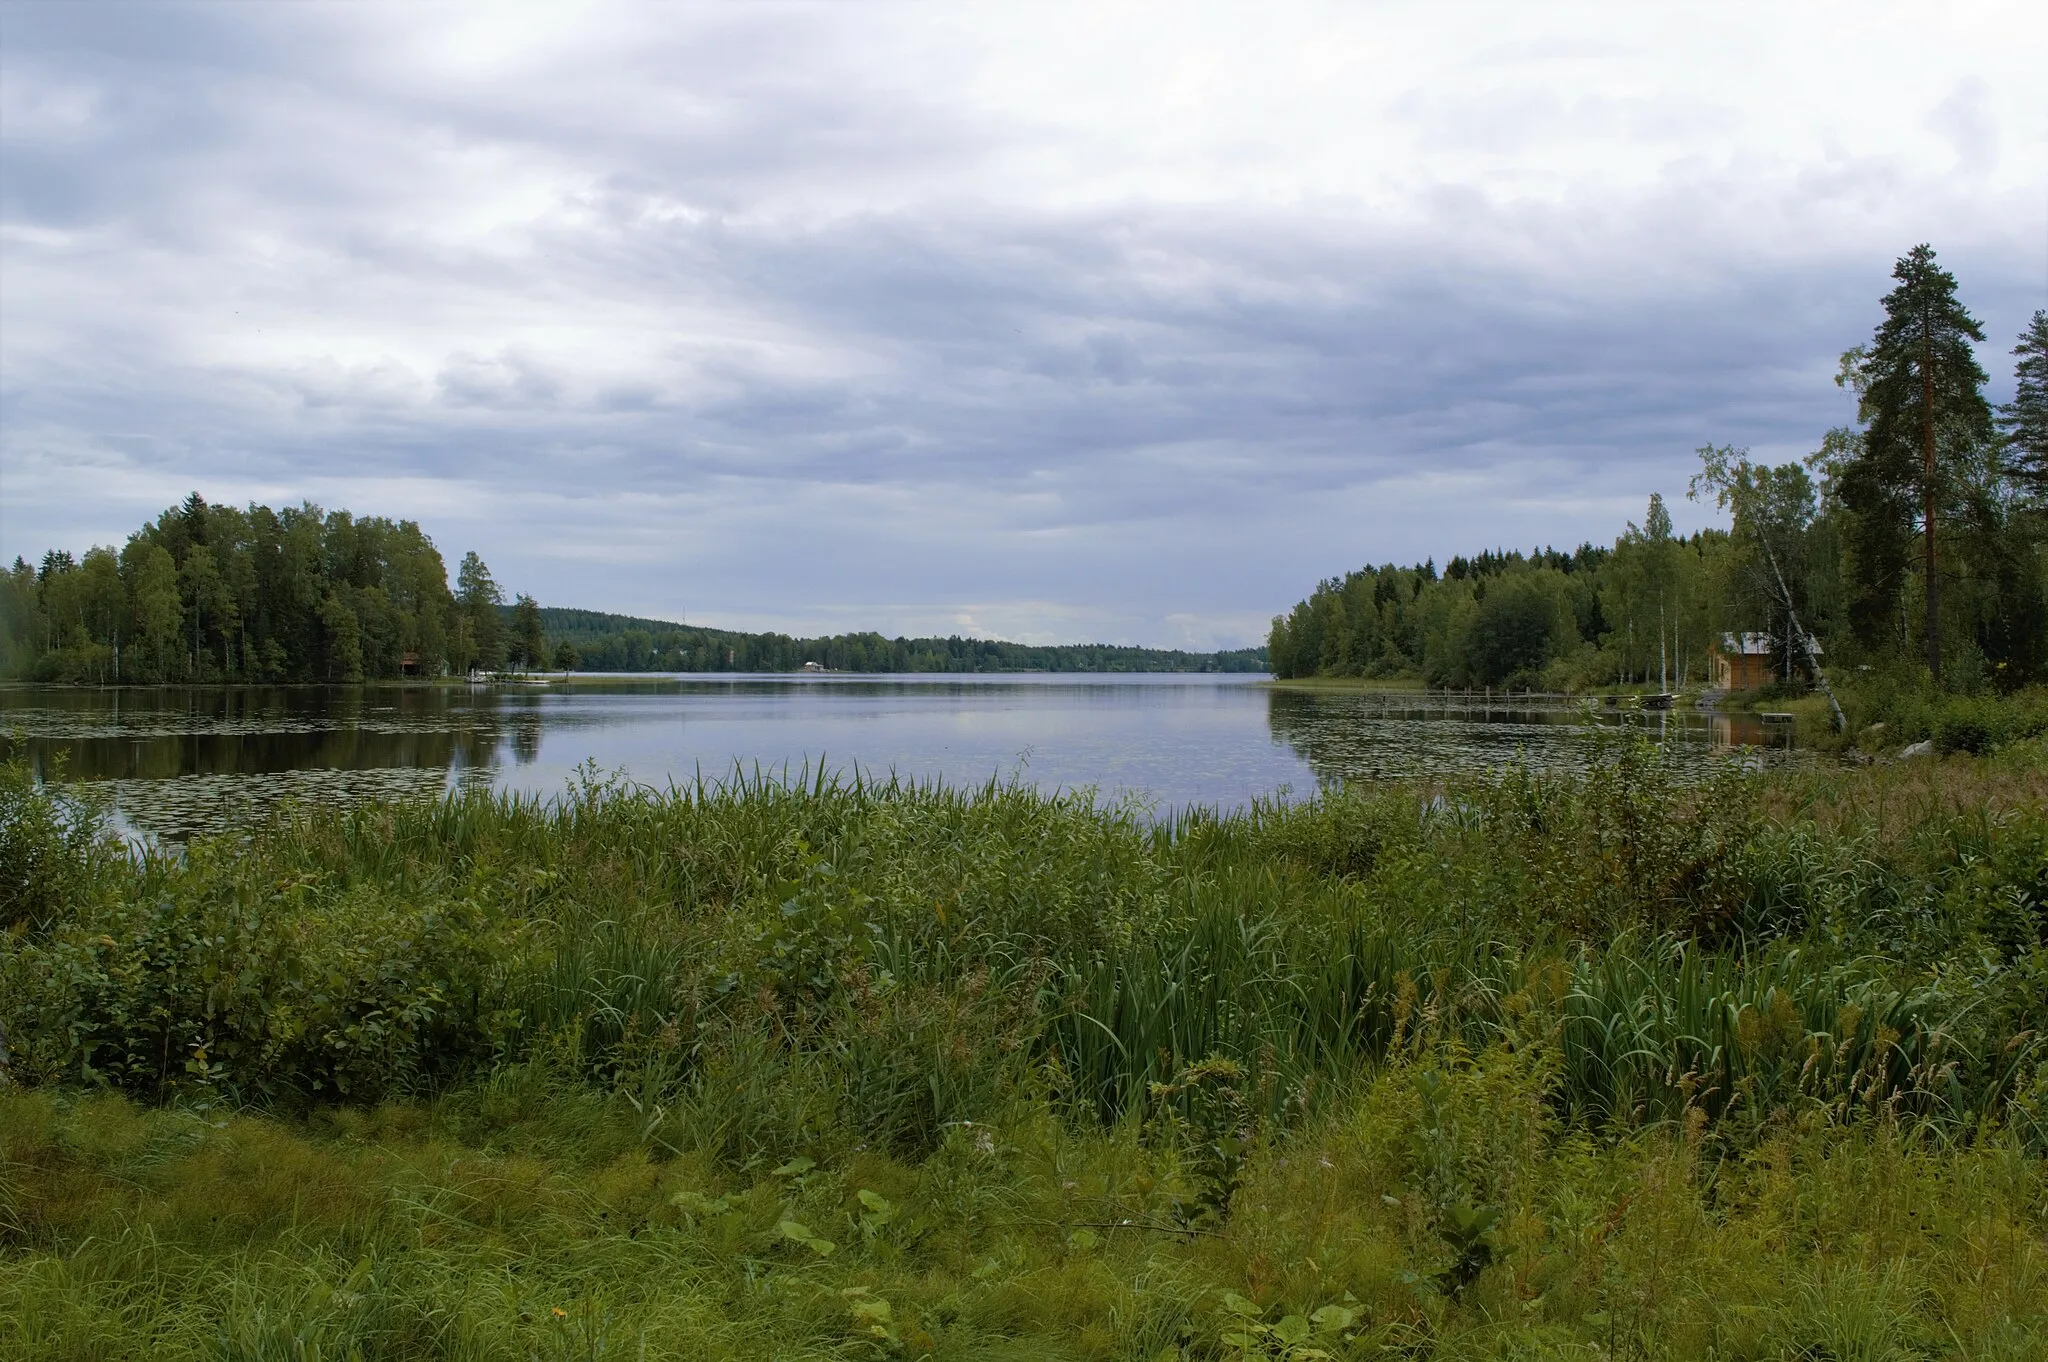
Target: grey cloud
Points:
x,y
1113,415
508,380
1966,124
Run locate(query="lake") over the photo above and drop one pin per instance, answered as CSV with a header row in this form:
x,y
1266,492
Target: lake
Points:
x,y
179,760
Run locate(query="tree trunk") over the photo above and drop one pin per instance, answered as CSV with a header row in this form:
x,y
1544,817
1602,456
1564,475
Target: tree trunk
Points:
x,y
1927,502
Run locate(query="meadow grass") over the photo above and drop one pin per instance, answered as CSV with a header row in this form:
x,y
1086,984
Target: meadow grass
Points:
x,y
1624,1063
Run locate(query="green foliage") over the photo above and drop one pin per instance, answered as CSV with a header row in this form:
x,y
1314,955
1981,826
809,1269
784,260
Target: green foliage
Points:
x,y
529,648
480,628
2024,420
1291,1338
1748,1068
1975,724
388,1231
1645,609
906,954
1928,424
1516,628
1206,1112
55,857
215,593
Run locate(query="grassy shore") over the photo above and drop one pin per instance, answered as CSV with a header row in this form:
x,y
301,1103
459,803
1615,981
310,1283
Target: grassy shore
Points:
x,y
1621,1064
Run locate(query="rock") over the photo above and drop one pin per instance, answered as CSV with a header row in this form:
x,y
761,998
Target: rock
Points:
x,y
1923,748
1877,727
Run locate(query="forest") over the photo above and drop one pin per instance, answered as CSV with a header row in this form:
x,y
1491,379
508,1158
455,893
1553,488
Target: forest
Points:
x,y
621,643
1909,542
217,594
208,593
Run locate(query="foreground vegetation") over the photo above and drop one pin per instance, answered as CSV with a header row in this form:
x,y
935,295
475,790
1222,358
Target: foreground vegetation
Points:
x,y
1628,1064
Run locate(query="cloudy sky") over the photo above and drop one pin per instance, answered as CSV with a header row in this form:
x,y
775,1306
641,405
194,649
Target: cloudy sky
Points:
x,y
1120,322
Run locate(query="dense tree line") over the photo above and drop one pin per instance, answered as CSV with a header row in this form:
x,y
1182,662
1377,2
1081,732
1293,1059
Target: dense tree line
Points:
x,y
603,642
218,593
1911,540
210,593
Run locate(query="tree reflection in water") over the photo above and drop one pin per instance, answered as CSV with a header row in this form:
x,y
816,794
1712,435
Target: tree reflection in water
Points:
x,y
180,759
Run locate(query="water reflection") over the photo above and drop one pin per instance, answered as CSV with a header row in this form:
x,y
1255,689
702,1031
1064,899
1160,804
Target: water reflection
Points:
x,y
172,734
180,761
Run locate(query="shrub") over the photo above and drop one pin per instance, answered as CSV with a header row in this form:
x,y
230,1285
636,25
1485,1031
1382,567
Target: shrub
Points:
x,y
54,854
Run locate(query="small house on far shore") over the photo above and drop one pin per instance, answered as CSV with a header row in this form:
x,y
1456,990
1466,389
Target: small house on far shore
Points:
x,y
1748,661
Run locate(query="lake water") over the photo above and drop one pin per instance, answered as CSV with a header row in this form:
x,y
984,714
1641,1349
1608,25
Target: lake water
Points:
x,y
176,761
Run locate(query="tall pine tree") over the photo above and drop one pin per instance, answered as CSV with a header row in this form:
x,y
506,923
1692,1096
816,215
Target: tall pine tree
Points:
x,y
529,649
2025,418
1924,407
478,597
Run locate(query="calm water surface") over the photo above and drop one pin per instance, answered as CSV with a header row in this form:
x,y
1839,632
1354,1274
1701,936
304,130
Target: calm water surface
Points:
x,y
178,761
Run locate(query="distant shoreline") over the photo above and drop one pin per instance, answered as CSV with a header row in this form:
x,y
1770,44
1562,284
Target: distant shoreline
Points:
x,y
612,677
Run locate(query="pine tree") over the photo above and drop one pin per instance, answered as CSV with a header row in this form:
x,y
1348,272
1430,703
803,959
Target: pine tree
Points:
x,y
2025,418
1925,412
477,593
527,642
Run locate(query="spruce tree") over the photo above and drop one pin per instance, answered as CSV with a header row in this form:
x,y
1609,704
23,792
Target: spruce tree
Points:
x,y
1925,412
526,632
2025,418
478,597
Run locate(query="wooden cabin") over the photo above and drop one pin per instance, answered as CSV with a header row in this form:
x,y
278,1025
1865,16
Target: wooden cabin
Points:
x,y
1750,661
1742,661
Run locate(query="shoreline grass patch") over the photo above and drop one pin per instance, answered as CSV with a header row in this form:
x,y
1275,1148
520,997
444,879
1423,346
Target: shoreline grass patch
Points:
x,y
1614,1064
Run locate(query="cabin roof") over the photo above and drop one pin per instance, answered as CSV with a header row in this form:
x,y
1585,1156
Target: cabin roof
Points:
x,y
1759,645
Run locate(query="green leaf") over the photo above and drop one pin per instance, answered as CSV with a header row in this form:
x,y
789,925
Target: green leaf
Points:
x,y
796,1167
1083,1239
696,1203
1238,1305
801,1233
1333,1318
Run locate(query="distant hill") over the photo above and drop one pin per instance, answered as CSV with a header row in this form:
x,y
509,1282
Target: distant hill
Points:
x,y
626,643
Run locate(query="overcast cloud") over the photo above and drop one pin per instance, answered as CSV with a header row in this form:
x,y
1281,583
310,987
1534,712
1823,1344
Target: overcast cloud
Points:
x,y
1053,323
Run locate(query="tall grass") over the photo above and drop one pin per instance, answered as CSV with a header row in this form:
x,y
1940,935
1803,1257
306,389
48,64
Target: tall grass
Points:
x,y
1675,946
1037,1069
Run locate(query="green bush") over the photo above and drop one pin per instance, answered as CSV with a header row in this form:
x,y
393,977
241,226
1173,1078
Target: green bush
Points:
x,y
1973,724
54,855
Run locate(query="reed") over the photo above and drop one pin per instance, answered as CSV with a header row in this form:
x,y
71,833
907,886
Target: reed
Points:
x,y
1556,1060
